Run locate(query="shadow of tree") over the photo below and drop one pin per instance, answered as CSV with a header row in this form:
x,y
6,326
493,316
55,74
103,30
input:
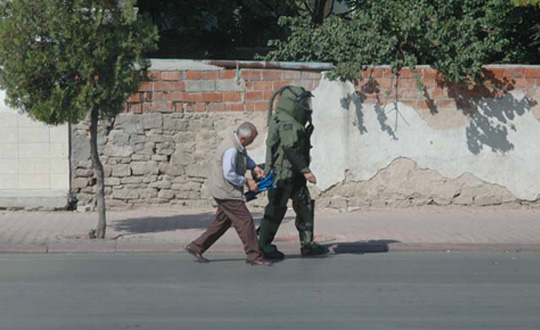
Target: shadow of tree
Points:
x,y
491,110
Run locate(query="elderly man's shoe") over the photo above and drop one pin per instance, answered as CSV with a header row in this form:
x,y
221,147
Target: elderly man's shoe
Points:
x,y
197,255
259,262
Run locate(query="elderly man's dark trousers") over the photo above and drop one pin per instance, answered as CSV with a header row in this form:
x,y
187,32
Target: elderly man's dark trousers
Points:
x,y
236,213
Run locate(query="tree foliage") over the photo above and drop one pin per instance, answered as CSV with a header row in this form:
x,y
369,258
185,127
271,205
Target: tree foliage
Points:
x,y
59,59
457,37
216,29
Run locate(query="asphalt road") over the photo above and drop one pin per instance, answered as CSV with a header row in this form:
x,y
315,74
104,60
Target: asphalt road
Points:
x,y
369,291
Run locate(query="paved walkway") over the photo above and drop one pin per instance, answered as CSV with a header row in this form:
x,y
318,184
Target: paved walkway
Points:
x,y
166,230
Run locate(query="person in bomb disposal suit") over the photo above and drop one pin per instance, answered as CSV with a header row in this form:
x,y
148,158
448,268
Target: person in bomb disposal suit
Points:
x,y
287,155
226,185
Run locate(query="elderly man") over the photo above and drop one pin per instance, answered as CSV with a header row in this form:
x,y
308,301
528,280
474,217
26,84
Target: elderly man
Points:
x,y
226,185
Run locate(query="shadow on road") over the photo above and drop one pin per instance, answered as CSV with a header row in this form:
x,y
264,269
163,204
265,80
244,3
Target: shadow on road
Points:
x,y
374,246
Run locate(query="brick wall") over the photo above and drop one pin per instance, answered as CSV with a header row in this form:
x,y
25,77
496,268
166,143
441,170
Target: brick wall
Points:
x,y
215,90
380,85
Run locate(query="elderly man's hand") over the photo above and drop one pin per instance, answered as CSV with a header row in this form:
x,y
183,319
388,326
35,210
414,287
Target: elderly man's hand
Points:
x,y
259,172
252,185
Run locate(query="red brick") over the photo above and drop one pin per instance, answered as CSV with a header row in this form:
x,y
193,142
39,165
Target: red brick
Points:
x,y
135,107
513,72
253,96
154,75
251,75
532,72
387,73
430,73
160,86
211,97
146,86
175,96
279,84
157,96
445,103
385,83
271,75
235,106
373,73
157,107
438,93
215,107
134,98
231,96
429,82
424,104
406,73
267,95
227,74
292,75
210,75
524,83
193,75
170,75
256,106
262,85
407,84
307,75
193,97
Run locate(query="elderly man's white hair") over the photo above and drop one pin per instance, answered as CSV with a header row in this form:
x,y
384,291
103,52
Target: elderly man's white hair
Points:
x,y
246,130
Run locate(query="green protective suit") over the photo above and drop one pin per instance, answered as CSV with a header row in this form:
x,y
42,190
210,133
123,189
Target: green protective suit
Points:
x,y
287,155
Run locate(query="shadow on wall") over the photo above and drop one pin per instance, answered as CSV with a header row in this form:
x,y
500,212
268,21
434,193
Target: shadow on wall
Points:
x,y
489,107
491,111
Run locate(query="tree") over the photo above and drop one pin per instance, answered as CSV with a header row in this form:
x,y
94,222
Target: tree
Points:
x,y
64,60
456,37
219,29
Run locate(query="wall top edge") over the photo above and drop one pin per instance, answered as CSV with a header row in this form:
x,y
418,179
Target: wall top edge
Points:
x,y
216,65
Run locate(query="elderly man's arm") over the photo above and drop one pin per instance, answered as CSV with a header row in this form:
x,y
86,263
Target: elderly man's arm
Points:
x,y
230,174
229,168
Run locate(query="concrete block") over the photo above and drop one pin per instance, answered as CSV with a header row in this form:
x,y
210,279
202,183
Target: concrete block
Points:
x,y
59,134
8,166
8,181
60,181
59,150
59,165
8,150
34,135
8,135
34,150
230,86
200,85
34,166
8,119
33,181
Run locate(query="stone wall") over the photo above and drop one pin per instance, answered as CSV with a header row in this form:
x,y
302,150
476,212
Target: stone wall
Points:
x,y
380,142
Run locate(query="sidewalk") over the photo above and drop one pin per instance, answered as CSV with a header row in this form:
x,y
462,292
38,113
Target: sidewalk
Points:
x,y
159,230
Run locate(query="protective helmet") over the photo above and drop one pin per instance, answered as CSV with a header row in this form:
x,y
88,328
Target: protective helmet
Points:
x,y
294,101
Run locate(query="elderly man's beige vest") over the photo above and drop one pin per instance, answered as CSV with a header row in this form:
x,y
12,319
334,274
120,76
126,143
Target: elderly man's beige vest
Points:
x,y
219,187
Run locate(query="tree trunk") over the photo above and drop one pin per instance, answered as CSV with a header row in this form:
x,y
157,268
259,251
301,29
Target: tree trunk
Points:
x,y
318,12
99,232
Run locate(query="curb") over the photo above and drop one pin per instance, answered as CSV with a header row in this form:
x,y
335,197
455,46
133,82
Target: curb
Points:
x,y
107,247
